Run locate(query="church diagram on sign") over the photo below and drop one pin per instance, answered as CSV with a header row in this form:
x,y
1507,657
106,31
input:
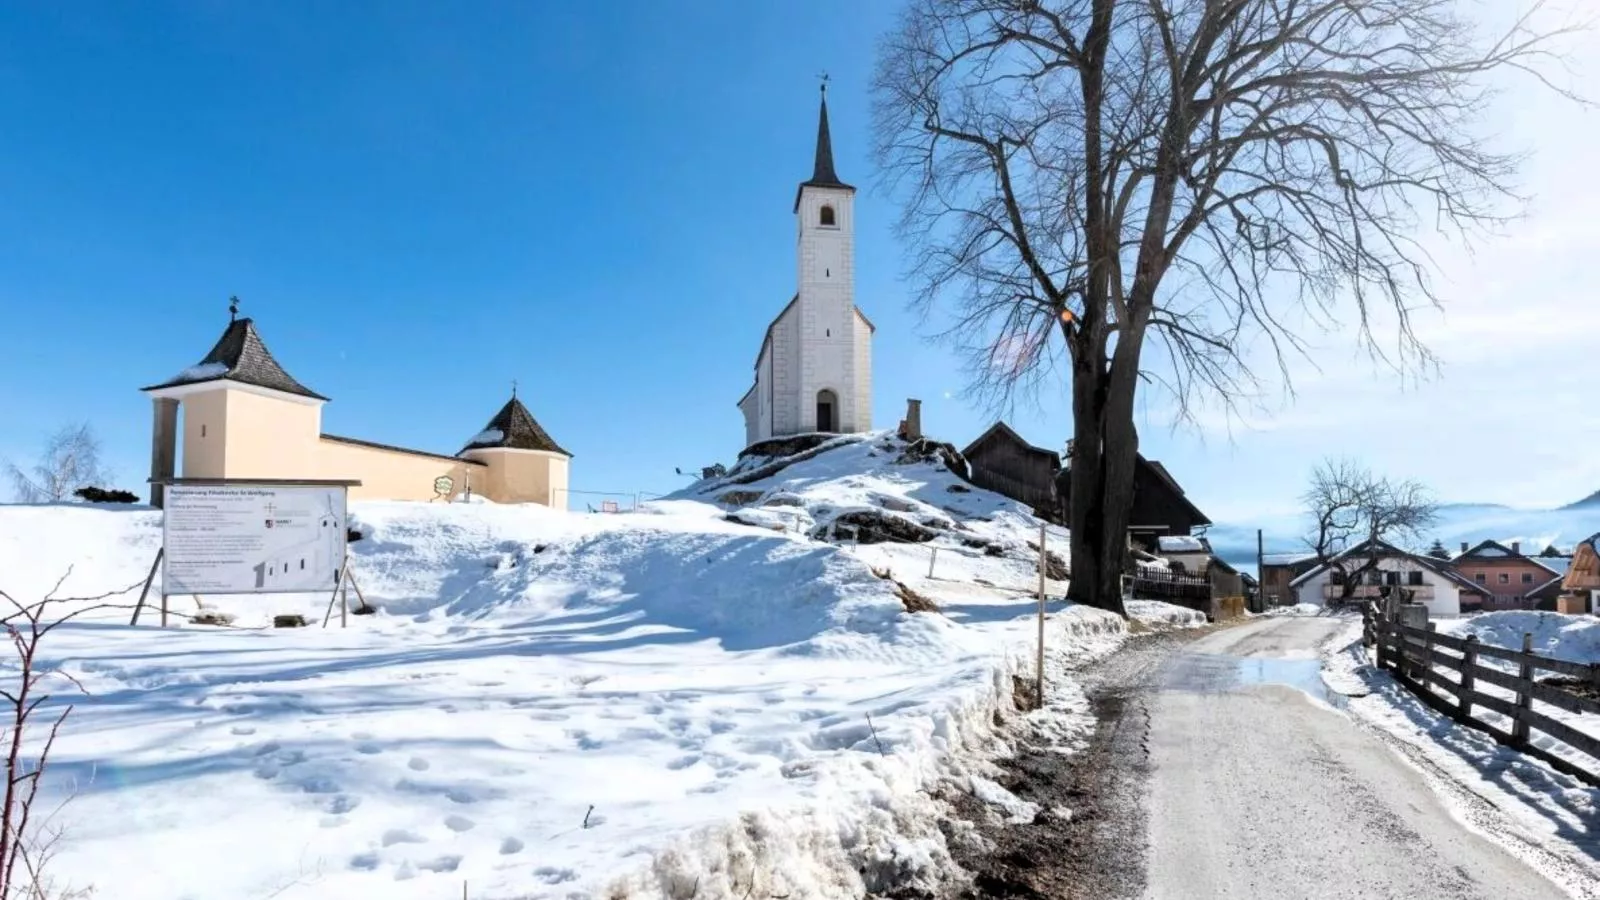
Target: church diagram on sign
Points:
x,y
319,548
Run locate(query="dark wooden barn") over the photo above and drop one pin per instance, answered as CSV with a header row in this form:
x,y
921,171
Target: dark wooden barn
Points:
x,y
1159,504
1001,461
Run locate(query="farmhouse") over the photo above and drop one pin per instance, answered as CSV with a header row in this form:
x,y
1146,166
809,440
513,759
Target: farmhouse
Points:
x,y
1375,568
1001,461
242,416
1580,589
1512,580
1160,506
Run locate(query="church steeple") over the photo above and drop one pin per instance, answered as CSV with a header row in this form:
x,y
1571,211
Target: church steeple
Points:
x,y
822,172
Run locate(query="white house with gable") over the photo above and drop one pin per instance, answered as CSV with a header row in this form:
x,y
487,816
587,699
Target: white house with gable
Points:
x,y
1423,579
814,369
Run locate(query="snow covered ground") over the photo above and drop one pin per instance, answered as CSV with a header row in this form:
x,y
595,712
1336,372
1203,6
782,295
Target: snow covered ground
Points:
x,y
661,704
1549,819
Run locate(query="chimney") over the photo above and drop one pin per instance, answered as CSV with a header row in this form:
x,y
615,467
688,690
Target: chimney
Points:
x,y
1516,547
911,428
1463,546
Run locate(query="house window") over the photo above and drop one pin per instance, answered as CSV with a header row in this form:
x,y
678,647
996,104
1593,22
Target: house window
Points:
x,y
826,217
1527,578
1480,578
1336,577
1505,578
1414,579
1391,578
1375,577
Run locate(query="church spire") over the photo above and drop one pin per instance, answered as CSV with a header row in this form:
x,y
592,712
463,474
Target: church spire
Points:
x,y
822,172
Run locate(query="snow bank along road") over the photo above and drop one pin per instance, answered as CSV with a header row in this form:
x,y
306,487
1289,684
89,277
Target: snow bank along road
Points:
x,y
1221,769
1257,790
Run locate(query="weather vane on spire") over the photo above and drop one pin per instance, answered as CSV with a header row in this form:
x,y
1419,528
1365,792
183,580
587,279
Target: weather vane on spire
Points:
x,y
233,308
824,79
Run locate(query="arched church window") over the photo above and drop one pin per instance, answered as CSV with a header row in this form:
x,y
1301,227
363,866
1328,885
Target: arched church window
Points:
x,y
827,216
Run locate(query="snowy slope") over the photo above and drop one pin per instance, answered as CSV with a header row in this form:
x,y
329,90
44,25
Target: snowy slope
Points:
x,y
550,704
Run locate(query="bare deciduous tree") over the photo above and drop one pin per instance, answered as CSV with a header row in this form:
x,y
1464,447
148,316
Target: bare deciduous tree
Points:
x,y
1181,180
71,460
1350,506
28,834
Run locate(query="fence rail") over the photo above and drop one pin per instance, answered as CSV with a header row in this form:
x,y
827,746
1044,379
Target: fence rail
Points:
x,y
1424,660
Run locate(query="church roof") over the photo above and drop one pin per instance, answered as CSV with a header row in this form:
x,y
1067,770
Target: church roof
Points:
x,y
513,428
822,173
240,356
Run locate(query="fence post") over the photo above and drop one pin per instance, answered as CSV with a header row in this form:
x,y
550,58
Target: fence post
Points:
x,y
1427,653
1379,636
1469,659
1519,726
932,558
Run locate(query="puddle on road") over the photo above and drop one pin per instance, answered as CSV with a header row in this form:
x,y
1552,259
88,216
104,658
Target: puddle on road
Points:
x,y
1210,673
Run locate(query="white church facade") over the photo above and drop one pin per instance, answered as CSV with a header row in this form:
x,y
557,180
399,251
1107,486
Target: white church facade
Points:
x,y
814,370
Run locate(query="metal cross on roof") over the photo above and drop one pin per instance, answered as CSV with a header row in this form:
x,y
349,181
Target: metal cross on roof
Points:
x,y
233,308
824,79
513,388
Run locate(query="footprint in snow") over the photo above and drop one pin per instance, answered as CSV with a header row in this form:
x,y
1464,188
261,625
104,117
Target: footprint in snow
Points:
x,y
448,863
418,764
267,771
369,747
683,762
364,861
459,824
265,748
243,729
553,875
341,804
510,845
402,836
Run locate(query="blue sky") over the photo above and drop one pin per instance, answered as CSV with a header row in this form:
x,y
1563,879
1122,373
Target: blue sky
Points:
x,y
420,202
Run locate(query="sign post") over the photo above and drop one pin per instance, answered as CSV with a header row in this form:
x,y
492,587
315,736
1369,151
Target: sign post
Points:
x,y
231,536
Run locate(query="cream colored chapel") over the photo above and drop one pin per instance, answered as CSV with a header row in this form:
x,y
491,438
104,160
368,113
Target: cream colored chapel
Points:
x,y
814,369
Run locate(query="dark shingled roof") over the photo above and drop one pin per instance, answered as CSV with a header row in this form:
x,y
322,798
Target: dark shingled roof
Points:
x,y
822,173
517,431
239,355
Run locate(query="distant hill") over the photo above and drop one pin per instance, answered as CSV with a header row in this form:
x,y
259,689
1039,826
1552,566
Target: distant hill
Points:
x,y
1590,502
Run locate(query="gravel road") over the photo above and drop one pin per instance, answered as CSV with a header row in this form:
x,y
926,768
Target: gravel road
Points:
x,y
1255,790
1220,769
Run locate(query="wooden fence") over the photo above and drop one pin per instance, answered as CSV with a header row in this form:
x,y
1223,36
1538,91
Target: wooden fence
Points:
x,y
1423,660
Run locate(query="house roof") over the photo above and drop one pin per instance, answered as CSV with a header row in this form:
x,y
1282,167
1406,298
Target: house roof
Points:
x,y
1004,430
822,173
1437,566
1161,474
240,355
766,338
1497,550
1182,543
1287,559
513,428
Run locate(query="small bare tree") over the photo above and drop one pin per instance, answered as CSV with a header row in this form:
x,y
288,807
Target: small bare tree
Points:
x,y
71,460
1166,185
28,835
1350,506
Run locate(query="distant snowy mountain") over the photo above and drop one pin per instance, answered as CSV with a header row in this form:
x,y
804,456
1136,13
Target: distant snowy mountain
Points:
x,y
1458,523
1590,502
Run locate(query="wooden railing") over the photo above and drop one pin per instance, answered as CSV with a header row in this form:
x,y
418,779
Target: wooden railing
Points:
x,y
1423,660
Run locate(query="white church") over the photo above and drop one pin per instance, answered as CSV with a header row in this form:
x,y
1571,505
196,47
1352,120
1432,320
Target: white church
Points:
x,y
814,371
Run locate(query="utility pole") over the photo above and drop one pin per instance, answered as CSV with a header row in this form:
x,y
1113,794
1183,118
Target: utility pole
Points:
x,y
1261,585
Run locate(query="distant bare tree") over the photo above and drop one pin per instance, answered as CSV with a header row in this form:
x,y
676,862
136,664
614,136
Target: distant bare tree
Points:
x,y
1182,172
71,460
1349,506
